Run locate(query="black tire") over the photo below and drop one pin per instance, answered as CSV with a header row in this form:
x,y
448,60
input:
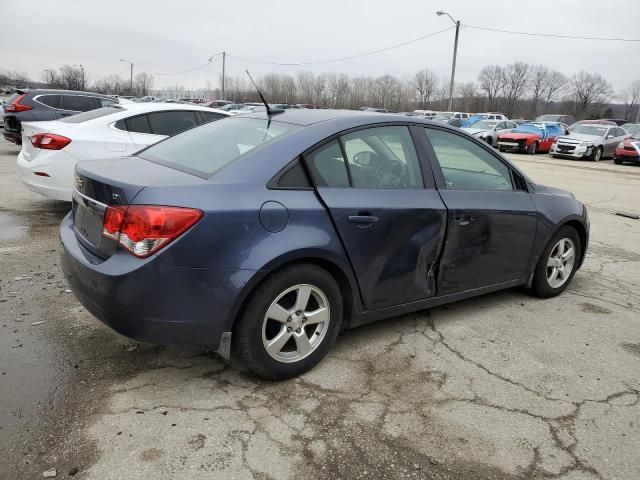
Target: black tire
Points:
x,y
540,286
596,155
247,339
617,161
489,140
533,148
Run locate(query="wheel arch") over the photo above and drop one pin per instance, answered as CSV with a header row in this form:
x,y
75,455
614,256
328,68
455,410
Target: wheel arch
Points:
x,y
582,234
336,267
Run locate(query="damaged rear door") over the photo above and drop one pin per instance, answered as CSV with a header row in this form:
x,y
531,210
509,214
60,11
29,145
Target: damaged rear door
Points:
x,y
389,216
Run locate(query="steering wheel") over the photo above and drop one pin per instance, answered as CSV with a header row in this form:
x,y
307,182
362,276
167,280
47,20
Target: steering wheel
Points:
x,y
391,174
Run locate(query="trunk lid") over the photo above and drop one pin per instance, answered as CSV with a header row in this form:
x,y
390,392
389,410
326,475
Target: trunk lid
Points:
x,y
29,129
102,183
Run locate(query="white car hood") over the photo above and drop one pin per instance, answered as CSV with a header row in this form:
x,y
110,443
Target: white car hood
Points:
x,y
474,131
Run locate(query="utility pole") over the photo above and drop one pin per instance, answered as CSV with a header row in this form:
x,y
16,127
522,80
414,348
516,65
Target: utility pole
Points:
x,y
224,61
455,54
131,77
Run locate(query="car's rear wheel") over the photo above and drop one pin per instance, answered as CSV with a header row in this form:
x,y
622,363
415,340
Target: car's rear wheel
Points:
x,y
597,154
290,322
558,263
533,148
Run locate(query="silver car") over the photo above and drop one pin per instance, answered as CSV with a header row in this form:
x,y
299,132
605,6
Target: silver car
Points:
x,y
488,130
590,141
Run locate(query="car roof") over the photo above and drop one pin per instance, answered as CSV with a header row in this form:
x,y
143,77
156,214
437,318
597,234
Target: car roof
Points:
x,y
40,91
305,117
158,106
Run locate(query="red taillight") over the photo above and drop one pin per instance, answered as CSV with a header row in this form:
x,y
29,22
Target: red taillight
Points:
x,y
16,106
145,229
49,141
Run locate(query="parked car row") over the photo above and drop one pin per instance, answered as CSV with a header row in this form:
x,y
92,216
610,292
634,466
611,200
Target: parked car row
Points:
x,y
51,149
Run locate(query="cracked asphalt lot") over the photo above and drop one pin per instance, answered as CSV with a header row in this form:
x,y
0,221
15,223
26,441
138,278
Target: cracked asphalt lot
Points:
x,y
504,386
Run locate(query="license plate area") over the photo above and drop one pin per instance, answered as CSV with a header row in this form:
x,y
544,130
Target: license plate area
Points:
x,y
88,216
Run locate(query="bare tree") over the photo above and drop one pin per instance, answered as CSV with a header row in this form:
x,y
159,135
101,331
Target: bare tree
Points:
x,y
516,80
557,84
467,91
539,78
142,83
631,96
71,78
491,80
425,82
588,89
50,77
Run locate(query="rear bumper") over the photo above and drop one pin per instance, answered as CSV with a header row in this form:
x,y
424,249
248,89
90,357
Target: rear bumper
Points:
x,y
58,165
150,301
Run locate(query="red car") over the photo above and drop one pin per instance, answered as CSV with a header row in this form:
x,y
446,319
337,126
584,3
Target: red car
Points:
x,y
628,151
530,138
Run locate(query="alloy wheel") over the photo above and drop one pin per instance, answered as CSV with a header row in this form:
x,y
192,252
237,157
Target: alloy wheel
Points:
x,y
296,323
560,263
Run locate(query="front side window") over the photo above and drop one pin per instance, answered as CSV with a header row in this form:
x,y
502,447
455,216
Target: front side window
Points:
x,y
170,123
382,157
77,103
466,165
205,150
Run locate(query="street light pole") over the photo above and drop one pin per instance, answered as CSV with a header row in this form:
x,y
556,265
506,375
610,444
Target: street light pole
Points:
x,y
131,77
224,61
455,55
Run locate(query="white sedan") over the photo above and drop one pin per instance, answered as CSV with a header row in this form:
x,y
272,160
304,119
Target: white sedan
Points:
x,y
51,149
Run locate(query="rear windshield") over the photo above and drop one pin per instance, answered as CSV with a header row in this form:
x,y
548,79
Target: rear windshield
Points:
x,y
91,114
204,150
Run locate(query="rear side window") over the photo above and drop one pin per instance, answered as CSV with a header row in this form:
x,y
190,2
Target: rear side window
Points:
x,y
170,123
90,115
139,124
382,157
205,150
210,116
107,102
52,101
77,103
328,166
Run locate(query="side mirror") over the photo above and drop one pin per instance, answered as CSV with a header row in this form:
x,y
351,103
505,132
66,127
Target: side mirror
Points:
x,y
610,136
362,158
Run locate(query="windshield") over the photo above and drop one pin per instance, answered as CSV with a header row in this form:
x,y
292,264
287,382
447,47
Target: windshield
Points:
x,y
91,114
485,124
204,150
632,127
590,130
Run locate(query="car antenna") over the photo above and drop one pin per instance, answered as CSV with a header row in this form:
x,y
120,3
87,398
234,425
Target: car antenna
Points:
x,y
270,111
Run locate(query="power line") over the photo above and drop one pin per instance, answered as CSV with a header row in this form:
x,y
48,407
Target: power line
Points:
x,y
209,62
553,35
340,59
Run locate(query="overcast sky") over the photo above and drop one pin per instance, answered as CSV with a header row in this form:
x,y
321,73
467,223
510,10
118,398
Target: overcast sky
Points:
x,y
170,36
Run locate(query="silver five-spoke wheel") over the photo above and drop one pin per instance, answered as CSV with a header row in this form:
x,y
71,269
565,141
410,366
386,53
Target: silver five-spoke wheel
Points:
x,y
561,261
296,322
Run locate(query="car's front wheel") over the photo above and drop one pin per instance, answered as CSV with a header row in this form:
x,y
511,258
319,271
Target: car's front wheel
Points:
x,y
596,155
533,148
290,322
558,263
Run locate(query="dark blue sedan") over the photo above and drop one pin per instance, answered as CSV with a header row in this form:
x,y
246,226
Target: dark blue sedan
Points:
x,y
286,229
